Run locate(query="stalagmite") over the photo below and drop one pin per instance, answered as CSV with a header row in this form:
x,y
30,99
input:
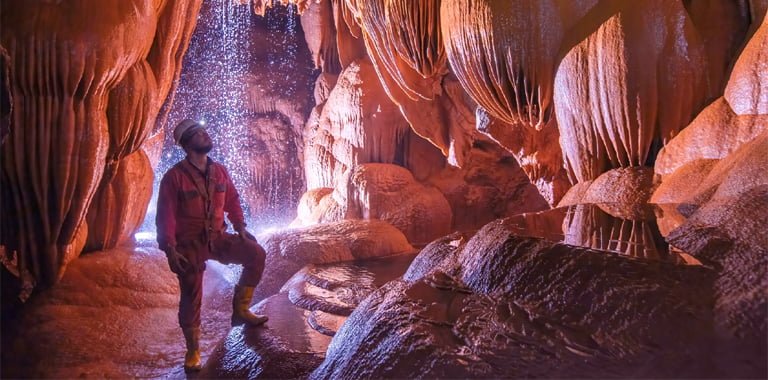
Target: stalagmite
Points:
x,y
390,193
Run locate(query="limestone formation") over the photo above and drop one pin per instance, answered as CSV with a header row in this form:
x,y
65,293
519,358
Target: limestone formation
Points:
x,y
541,160
512,297
497,51
134,105
717,122
452,125
616,103
625,187
389,193
357,125
113,217
747,90
62,70
290,249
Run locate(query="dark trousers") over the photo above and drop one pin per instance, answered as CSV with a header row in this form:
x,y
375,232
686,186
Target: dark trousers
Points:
x,y
227,249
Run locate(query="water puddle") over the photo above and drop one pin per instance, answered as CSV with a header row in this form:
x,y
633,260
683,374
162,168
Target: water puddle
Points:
x,y
332,291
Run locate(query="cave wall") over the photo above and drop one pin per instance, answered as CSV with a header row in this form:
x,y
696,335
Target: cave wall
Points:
x,y
490,103
65,62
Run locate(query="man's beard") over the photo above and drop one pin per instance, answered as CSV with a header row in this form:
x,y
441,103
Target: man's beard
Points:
x,y
202,149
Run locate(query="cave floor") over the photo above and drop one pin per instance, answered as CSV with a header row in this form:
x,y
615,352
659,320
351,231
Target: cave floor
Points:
x,y
113,314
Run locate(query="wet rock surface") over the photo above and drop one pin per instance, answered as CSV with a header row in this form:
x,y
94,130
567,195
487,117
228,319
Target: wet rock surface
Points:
x,y
525,307
632,235
574,292
285,347
310,308
113,316
729,233
291,249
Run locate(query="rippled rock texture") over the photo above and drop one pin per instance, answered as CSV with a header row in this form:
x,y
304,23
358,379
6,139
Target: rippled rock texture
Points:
x,y
69,144
525,307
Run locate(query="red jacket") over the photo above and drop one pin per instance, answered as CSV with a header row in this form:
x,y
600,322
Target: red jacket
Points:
x,y
191,205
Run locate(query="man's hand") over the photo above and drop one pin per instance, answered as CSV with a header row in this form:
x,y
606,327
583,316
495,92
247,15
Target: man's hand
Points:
x,y
177,261
244,234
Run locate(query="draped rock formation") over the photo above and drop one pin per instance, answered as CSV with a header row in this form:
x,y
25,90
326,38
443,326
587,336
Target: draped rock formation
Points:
x,y
616,102
540,159
505,55
356,125
404,40
732,121
62,70
133,107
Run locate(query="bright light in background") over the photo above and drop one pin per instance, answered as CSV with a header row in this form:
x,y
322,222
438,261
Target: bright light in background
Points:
x,y
268,230
145,235
223,53
230,273
145,238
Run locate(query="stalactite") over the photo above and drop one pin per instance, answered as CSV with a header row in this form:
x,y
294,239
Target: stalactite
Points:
x,y
260,6
504,53
320,34
628,88
61,71
404,41
406,36
132,111
349,39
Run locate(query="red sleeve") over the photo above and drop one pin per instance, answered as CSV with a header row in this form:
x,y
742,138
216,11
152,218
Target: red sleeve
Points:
x,y
167,203
232,204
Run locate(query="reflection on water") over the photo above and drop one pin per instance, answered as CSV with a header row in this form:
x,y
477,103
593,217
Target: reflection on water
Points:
x,y
590,226
333,291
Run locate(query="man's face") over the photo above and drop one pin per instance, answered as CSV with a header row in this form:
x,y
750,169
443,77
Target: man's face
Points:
x,y
198,141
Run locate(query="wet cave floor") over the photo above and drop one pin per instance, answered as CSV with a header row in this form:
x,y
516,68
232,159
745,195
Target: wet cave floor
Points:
x,y
114,315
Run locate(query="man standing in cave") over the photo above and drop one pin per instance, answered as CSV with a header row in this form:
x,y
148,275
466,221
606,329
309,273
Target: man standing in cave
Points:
x,y
194,195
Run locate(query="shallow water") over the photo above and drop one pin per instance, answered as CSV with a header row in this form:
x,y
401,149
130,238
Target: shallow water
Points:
x,y
336,289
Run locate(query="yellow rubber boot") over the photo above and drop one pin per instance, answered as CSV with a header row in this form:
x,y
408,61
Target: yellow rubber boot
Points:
x,y
192,361
240,308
